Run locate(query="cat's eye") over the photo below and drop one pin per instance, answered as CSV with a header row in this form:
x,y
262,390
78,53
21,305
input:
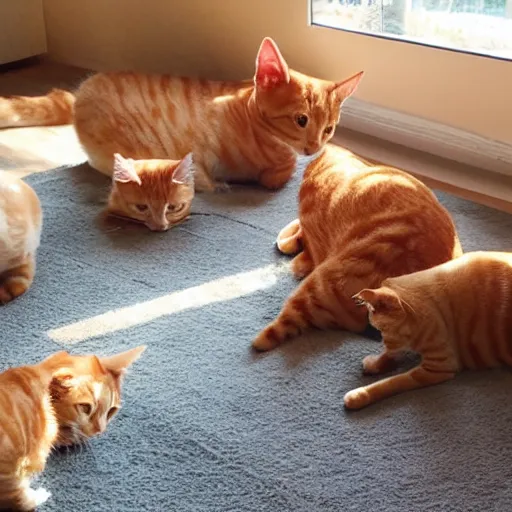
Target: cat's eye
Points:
x,y
175,208
85,408
112,411
141,207
302,120
329,130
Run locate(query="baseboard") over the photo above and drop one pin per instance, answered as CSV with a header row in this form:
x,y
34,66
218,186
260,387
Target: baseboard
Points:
x,y
427,136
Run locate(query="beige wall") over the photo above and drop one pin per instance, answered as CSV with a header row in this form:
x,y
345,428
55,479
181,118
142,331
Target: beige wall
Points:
x,y
219,39
22,32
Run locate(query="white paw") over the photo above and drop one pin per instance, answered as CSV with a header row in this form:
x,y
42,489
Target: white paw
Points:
x,y
38,496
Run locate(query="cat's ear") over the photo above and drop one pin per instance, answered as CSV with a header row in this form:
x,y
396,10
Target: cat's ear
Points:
x,y
119,363
271,68
347,87
124,170
381,299
184,173
62,382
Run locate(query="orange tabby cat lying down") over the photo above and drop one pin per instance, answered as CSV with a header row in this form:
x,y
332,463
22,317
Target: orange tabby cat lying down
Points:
x,y
248,131
358,224
456,315
20,232
63,400
157,193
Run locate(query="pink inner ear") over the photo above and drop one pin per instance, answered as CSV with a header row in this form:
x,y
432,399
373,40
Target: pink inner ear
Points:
x,y
124,170
271,68
184,173
348,86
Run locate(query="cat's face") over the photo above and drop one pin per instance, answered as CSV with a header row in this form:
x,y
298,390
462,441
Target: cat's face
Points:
x,y
388,314
86,393
301,111
157,193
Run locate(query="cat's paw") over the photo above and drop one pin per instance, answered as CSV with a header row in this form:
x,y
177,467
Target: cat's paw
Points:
x,y
34,498
371,365
221,187
263,342
13,287
357,398
302,265
289,239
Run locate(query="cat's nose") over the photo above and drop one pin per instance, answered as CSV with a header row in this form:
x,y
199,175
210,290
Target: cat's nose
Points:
x,y
158,227
311,150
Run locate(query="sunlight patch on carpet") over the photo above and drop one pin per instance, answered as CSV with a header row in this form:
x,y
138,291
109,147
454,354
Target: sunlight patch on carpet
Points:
x,y
218,290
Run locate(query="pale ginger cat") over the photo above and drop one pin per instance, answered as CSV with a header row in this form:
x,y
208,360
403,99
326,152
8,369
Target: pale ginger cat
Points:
x,y
456,315
20,231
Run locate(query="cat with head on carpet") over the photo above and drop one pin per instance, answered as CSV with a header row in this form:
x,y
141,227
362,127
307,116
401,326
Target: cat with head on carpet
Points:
x,y
61,401
358,224
20,232
238,131
456,315
156,193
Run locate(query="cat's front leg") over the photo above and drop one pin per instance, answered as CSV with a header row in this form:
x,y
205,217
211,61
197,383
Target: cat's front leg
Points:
x,y
302,265
203,179
277,177
18,495
17,280
416,378
384,362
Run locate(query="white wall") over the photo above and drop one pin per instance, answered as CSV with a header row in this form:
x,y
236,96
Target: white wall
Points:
x,y
219,39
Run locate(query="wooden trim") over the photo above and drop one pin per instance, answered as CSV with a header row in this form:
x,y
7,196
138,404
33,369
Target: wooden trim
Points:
x,y
428,136
465,181
470,195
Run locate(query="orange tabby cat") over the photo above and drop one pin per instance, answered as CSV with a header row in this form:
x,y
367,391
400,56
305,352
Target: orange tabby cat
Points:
x,y
61,401
157,193
20,232
456,315
247,131
358,224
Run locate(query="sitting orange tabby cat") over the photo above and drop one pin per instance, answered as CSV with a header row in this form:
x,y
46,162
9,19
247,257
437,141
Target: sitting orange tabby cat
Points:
x,y
20,231
456,315
248,131
358,224
157,193
61,401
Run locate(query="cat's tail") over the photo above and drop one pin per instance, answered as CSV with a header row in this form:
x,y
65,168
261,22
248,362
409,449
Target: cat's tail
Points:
x,y
52,109
321,300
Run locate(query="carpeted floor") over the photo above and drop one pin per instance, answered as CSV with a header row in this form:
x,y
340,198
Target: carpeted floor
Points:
x,y
206,424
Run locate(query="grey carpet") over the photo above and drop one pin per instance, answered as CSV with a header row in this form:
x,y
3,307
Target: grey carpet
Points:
x,y
207,425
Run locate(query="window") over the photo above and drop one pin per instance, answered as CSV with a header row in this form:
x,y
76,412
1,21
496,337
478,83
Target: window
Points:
x,y
478,26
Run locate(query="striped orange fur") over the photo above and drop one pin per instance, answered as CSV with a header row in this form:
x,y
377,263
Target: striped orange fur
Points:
x,y
20,231
157,193
54,108
358,224
456,315
61,401
246,131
